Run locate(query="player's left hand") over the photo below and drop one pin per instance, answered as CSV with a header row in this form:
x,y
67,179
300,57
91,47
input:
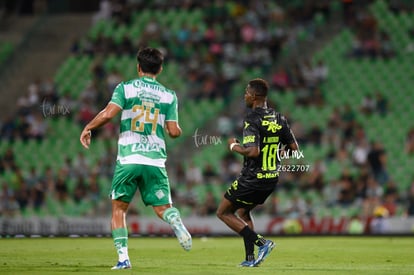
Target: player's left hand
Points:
x,y
85,138
232,140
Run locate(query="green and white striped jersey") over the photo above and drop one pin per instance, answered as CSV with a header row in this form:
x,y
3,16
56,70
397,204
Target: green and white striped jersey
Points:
x,y
146,105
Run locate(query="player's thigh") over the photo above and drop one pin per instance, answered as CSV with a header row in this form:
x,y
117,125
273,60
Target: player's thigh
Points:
x,y
125,182
155,186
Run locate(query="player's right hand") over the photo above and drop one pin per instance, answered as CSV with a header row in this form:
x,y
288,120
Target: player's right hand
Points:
x,y
85,138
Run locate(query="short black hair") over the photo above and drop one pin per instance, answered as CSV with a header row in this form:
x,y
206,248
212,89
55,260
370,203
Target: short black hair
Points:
x,y
150,60
259,86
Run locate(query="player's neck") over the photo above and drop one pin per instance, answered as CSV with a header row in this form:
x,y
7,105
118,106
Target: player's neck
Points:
x,y
259,104
153,76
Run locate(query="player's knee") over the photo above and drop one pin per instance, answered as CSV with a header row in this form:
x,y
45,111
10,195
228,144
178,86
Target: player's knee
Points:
x,y
219,214
243,214
222,213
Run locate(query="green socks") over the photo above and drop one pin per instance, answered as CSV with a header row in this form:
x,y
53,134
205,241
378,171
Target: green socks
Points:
x,y
120,237
170,214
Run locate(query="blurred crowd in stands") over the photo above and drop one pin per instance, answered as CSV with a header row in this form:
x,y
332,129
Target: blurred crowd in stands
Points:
x,y
369,40
242,35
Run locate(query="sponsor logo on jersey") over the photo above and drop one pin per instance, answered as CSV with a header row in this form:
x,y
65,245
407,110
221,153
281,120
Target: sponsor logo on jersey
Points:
x,y
248,139
272,126
145,147
267,175
270,139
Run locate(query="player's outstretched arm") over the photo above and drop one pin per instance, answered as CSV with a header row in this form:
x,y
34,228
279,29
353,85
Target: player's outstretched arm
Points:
x,y
110,111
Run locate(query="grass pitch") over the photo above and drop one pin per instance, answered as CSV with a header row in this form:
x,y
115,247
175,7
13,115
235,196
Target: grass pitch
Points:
x,y
292,255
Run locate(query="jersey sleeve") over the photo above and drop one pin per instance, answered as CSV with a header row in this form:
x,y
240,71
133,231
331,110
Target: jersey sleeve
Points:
x,y
118,96
286,135
172,110
251,133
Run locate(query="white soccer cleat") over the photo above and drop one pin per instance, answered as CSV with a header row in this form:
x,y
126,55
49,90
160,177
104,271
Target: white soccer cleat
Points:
x,y
122,265
183,236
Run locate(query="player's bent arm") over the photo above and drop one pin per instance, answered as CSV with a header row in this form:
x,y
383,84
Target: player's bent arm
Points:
x,y
250,151
173,129
109,112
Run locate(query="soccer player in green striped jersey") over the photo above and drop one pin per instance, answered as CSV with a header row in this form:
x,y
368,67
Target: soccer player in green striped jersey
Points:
x,y
149,109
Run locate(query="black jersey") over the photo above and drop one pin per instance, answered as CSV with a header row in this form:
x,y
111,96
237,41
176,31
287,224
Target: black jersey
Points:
x,y
268,129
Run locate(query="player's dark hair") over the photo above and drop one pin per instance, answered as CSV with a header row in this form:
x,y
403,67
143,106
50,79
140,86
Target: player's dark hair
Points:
x,y
150,60
259,86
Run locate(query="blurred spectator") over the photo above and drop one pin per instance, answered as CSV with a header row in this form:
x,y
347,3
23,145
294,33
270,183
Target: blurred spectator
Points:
x,y
386,47
225,125
316,176
69,104
90,93
347,113
48,91
80,190
380,224
368,104
38,126
355,226
94,192
317,97
68,168
299,130
49,179
374,193
9,207
391,198
23,196
230,167
7,131
38,195
377,160
179,174
280,80
381,104
209,175
9,159
410,200
193,175
152,31
331,192
189,196
61,186
296,207
361,188
86,112
360,152
209,206
321,71
112,80
409,142
347,189
309,75
81,165
22,127
32,177
104,12
315,135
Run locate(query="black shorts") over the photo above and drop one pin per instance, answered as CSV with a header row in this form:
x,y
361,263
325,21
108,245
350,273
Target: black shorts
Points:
x,y
244,197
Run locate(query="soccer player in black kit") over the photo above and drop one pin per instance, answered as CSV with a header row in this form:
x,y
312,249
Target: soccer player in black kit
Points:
x,y
264,133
